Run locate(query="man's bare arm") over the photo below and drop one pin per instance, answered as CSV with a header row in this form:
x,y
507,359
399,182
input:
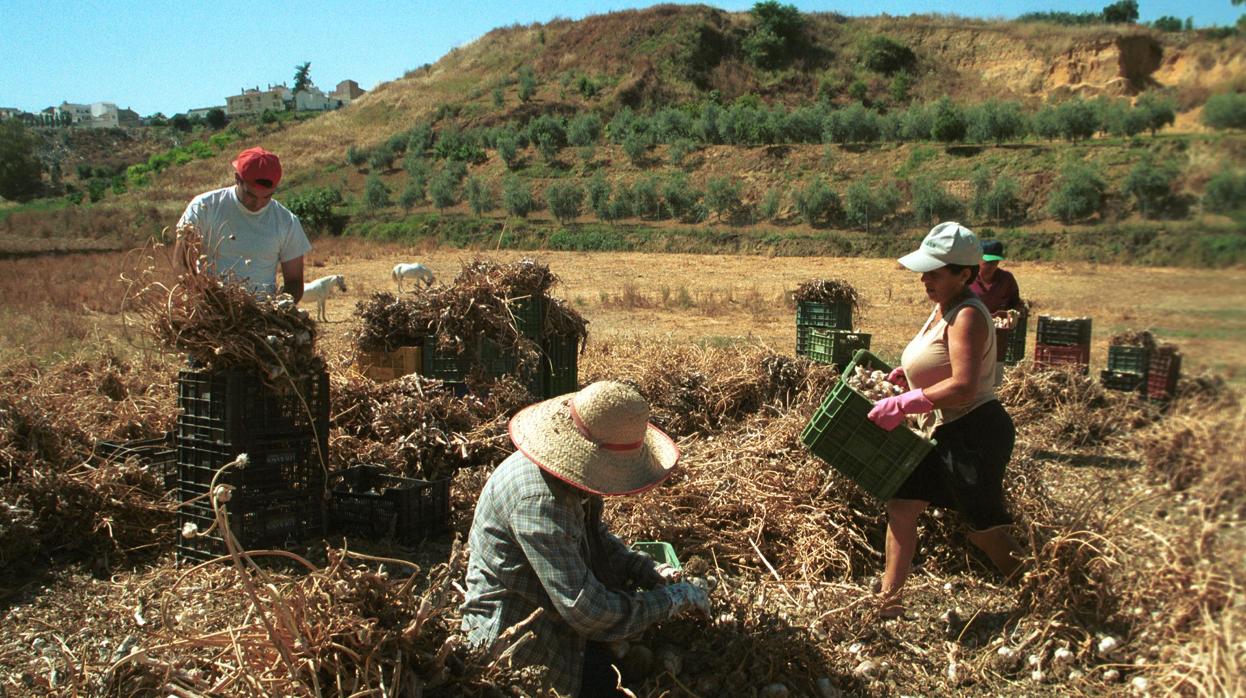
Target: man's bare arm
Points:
x,y
292,278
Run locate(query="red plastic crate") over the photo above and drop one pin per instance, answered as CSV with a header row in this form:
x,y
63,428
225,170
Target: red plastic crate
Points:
x,y
1049,355
1164,370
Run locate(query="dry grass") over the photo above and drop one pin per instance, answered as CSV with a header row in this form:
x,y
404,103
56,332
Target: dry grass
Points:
x,y
1132,516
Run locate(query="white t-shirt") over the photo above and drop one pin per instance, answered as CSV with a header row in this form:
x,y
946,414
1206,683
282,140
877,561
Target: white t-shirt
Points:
x,y
248,244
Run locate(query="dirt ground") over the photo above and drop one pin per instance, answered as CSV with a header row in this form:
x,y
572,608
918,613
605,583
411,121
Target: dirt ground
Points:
x,y
729,298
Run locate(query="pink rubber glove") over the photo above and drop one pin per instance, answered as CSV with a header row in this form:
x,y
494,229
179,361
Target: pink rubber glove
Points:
x,y
888,413
897,377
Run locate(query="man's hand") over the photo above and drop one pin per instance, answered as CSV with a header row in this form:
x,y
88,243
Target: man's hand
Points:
x,y
687,598
659,575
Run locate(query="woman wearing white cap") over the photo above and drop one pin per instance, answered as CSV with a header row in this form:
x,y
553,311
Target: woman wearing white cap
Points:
x,y
949,368
538,542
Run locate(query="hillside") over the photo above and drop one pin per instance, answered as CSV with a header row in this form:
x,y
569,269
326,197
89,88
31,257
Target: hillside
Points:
x,y
665,61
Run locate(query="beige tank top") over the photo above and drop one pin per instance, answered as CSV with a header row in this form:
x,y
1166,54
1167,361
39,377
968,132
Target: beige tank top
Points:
x,y
926,361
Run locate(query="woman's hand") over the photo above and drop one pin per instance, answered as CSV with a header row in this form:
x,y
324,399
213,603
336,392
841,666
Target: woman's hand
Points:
x,y
897,377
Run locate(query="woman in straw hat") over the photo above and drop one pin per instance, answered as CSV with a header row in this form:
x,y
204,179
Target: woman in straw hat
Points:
x,y
538,544
949,368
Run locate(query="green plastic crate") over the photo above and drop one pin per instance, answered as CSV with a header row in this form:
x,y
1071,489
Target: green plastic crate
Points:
x,y
1124,359
836,346
559,365
811,315
841,434
659,551
529,313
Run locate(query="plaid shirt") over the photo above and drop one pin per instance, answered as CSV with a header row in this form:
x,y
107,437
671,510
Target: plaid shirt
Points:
x,y
532,547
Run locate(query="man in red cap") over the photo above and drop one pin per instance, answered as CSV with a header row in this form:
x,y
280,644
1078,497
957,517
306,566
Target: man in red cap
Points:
x,y
244,232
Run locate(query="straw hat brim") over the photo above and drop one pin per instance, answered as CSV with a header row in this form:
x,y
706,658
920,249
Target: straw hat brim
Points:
x,y
546,434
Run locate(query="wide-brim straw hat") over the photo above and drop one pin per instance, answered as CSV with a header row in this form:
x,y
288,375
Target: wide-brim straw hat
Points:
x,y
599,440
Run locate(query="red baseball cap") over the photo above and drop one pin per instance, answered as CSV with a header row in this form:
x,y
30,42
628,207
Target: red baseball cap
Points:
x,y
254,164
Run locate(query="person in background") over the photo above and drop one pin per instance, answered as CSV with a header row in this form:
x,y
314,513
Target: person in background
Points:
x,y
243,232
996,287
948,370
538,542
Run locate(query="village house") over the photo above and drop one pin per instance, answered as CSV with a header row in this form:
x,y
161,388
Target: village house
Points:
x,y
253,101
345,92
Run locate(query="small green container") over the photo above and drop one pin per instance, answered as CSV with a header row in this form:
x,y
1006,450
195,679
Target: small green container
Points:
x,y
842,434
836,346
659,551
1124,359
1014,349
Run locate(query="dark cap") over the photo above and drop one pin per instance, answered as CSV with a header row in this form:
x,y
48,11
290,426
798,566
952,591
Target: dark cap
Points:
x,y
992,251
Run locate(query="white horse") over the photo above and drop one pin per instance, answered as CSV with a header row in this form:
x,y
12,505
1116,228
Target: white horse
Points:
x,y
414,270
320,290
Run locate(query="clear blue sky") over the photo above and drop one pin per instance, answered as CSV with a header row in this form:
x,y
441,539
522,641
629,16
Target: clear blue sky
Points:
x,y
169,56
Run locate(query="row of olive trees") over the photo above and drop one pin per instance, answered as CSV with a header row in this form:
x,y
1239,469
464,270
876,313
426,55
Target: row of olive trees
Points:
x,y
1079,193
749,122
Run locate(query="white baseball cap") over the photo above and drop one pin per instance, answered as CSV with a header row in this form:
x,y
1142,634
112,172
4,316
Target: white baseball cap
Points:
x,y
946,243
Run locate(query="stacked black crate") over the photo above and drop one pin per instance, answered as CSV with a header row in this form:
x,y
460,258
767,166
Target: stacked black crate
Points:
x,y
278,495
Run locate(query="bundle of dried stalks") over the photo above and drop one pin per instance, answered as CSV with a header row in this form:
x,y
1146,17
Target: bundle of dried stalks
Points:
x,y
1071,409
54,497
479,305
1133,338
220,324
419,428
831,291
694,389
388,322
348,628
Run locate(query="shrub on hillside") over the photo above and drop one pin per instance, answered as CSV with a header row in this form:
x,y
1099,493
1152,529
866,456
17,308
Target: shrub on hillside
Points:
x,y
314,206
932,202
777,34
1121,12
375,193
1226,192
1225,111
1151,186
412,195
635,145
1046,123
517,197
948,124
681,200
995,121
1168,23
382,158
420,138
680,150
564,201
1159,111
645,201
1121,119
599,197
917,122
584,130
1078,120
443,189
455,144
994,198
21,171
355,156
853,124
527,83
866,203
1078,193
507,144
479,195
885,55
416,166
769,209
722,196
816,202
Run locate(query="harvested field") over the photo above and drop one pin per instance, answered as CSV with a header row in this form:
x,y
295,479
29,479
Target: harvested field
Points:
x,y
1132,513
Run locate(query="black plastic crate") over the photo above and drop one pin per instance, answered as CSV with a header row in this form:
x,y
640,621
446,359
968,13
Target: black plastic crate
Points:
x,y
229,406
367,501
488,359
1065,332
156,455
1014,346
272,522
1127,359
274,467
1122,380
560,366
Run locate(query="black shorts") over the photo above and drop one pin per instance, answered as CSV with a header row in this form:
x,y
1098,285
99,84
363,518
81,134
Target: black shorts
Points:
x,y
964,472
